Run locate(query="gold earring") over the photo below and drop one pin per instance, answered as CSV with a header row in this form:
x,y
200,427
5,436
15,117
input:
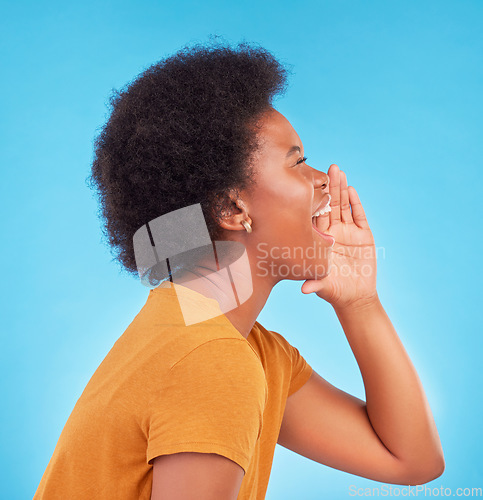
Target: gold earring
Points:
x,y
247,226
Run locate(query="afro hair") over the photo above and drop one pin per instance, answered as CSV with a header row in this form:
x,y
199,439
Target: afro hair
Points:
x,y
181,133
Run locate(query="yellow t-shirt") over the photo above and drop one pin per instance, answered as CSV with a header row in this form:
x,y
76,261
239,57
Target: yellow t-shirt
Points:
x,y
165,387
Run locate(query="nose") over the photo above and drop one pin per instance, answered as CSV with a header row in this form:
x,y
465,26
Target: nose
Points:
x,y
321,179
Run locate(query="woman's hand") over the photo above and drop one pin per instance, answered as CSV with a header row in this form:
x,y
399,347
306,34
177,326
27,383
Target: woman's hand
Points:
x,y
352,276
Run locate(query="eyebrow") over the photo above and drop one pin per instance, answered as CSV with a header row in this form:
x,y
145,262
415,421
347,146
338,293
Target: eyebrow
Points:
x,y
292,150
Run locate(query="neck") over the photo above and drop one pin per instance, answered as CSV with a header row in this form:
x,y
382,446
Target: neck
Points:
x,y
240,293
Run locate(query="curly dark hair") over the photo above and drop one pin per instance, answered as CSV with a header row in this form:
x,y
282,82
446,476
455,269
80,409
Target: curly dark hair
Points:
x,y
181,133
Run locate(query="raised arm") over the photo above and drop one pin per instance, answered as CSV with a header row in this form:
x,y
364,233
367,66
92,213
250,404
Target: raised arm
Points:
x,y
392,436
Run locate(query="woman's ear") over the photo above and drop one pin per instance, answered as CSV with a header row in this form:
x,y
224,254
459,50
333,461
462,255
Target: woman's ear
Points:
x,y
234,212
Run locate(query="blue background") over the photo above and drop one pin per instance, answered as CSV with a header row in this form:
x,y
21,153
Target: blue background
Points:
x,y
389,90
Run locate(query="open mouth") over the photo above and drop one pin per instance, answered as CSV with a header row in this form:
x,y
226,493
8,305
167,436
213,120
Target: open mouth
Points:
x,y
322,211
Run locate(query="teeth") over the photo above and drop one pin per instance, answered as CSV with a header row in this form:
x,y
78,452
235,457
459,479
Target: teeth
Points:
x,y
324,210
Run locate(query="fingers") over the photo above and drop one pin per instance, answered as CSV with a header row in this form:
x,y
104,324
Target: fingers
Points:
x,y
345,208
345,203
334,191
358,213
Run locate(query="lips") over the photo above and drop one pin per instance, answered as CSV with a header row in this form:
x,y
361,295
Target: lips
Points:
x,y
327,237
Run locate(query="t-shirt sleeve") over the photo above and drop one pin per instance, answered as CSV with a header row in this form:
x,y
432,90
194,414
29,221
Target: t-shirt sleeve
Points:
x,y
211,402
301,370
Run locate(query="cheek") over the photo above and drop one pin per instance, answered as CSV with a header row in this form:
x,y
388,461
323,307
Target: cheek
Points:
x,y
282,206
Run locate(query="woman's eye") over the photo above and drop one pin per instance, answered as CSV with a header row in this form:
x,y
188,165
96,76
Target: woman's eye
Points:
x,y
301,160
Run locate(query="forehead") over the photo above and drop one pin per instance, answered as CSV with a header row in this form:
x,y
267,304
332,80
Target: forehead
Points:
x,y
277,133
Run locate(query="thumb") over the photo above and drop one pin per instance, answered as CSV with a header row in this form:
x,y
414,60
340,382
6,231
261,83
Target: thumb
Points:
x,y
311,286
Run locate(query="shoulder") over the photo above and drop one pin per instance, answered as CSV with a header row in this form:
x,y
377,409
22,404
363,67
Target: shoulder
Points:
x,y
229,363
273,341
222,351
220,374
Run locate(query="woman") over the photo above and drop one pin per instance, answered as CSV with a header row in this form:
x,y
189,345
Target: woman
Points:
x,y
195,394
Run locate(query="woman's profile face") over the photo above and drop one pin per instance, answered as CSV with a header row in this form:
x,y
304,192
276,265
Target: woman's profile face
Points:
x,y
282,202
